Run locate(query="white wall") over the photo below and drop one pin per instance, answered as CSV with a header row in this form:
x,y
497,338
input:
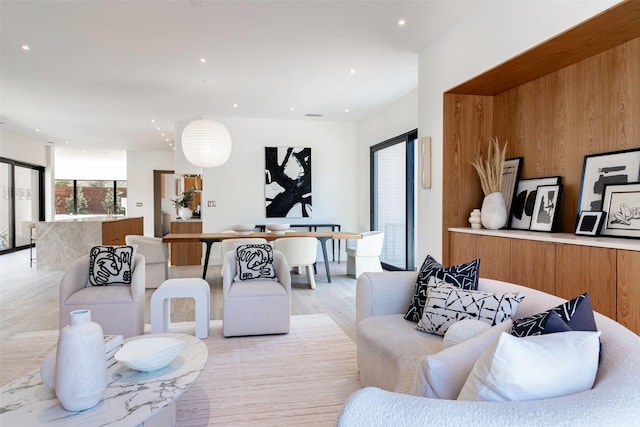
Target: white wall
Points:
x,y
20,146
492,34
396,119
140,167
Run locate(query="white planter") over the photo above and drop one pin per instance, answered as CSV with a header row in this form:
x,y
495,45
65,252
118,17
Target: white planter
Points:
x,y
185,213
494,211
81,365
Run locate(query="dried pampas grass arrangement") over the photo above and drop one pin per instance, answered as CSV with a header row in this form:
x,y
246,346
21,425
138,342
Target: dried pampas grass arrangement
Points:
x,y
490,170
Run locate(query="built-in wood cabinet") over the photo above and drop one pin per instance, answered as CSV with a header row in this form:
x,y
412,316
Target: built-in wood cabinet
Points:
x,y
113,232
573,95
185,253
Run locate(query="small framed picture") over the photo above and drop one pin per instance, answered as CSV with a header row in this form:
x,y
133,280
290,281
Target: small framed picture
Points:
x,y
545,209
590,223
621,205
525,199
510,176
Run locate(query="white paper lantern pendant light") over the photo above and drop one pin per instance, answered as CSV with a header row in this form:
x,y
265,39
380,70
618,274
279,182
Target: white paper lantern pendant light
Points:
x,y
206,143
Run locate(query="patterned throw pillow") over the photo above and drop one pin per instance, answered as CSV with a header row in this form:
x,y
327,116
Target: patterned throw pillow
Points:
x,y
448,304
464,276
111,265
254,262
573,315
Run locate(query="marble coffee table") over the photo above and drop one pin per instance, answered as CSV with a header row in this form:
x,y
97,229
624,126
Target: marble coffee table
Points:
x,y
132,398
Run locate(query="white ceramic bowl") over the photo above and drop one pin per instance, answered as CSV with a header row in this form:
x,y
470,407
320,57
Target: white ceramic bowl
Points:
x,y
243,228
149,354
277,228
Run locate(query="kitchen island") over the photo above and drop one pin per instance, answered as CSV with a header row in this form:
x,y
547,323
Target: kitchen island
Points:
x,y
61,242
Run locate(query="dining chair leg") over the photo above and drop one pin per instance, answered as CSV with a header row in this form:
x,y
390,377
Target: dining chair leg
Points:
x,y
311,276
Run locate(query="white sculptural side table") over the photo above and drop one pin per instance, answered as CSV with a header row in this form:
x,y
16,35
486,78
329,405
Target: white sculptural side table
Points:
x,y
131,398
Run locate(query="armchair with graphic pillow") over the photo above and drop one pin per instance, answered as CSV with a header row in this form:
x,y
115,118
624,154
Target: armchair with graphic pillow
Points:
x,y
443,347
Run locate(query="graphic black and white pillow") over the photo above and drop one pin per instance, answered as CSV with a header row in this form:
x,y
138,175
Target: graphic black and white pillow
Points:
x,y
464,276
111,265
573,315
448,304
254,262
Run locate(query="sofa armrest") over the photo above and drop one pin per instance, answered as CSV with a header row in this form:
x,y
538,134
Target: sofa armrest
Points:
x,y
75,278
388,292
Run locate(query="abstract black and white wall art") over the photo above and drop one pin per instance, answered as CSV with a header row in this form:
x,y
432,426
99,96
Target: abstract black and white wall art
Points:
x,y
621,205
545,209
524,202
288,182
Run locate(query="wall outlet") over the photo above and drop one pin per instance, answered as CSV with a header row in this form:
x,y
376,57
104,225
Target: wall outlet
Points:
x,y
211,203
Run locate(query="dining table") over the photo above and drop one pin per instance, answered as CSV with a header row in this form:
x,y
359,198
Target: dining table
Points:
x,y
210,238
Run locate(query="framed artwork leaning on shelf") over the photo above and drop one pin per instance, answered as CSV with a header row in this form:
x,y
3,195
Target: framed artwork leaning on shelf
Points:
x,y
525,199
621,205
590,223
510,176
545,210
600,170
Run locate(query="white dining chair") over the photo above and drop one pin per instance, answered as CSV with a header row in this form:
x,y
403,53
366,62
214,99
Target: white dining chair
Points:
x,y
364,254
299,252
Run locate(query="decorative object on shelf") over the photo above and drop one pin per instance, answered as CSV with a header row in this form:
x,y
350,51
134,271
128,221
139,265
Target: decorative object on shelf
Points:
x,y
243,229
277,228
149,354
510,177
494,211
474,219
288,182
590,223
425,172
546,207
206,143
599,170
182,203
621,206
523,203
81,366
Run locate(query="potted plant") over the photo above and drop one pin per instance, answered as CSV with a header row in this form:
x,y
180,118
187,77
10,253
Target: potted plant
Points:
x,y
183,202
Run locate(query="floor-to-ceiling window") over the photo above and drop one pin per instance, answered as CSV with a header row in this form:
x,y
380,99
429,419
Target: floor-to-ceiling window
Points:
x,y
22,202
90,197
392,199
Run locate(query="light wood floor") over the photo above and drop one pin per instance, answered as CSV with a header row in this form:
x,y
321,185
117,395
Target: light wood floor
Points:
x,y
29,298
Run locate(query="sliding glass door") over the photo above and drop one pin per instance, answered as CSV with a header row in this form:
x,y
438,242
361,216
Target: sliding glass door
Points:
x,y
392,199
22,202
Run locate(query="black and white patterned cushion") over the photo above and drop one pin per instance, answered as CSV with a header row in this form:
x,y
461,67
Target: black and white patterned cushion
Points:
x,y
111,265
464,276
573,315
254,262
448,304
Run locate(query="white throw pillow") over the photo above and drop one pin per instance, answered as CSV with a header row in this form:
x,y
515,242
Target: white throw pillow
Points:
x,y
462,331
442,375
534,367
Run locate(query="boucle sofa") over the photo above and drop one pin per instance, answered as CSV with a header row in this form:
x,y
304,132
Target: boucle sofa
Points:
x,y
389,349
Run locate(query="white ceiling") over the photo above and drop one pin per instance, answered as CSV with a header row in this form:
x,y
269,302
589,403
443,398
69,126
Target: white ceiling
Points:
x,y
97,72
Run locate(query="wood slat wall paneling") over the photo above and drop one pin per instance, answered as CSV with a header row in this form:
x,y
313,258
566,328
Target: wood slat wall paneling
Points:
x,y
628,295
582,269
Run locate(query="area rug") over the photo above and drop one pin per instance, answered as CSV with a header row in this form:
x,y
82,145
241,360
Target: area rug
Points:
x,y
300,378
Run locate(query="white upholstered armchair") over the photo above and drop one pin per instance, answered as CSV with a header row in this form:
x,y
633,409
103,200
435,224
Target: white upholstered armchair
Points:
x,y
118,309
256,307
156,255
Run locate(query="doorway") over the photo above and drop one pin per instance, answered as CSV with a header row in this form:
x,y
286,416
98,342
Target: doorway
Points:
x,y
163,191
393,199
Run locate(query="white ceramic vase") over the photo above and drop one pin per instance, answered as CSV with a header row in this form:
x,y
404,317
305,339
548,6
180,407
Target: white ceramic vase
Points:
x,y
494,211
81,365
185,213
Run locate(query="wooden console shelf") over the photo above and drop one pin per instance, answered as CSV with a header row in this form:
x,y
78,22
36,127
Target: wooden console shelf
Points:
x,y
573,95
559,264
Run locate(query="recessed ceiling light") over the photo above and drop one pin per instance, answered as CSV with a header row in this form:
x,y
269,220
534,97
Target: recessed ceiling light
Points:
x,y
402,22
293,108
158,128
66,142
162,134
235,105
346,110
352,71
25,47
37,130
153,120
167,140
203,60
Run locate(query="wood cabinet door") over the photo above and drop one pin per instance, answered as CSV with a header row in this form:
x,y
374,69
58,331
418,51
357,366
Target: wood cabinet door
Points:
x,y
629,289
533,265
495,257
582,269
462,248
